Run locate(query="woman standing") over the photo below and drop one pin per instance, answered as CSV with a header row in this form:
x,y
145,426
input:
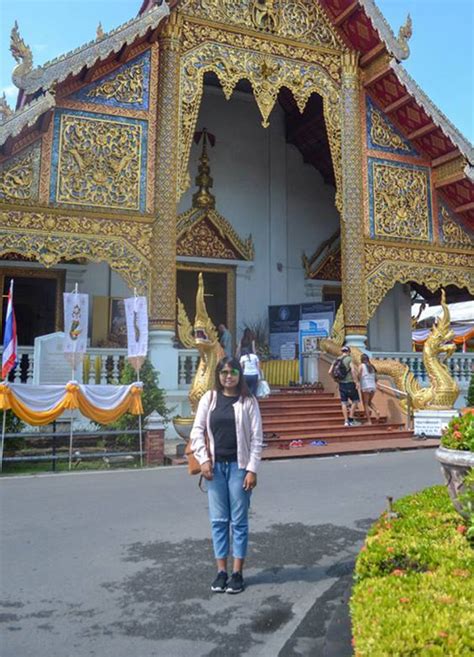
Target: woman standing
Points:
x,y
247,341
250,364
368,386
231,418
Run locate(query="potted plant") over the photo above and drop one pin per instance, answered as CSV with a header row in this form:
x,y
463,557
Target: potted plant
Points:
x,y
456,455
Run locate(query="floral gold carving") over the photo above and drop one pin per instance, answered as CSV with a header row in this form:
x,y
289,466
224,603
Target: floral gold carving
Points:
x,y
435,268
400,202
125,87
453,234
382,134
354,293
203,242
267,73
99,163
301,20
205,233
19,176
163,266
51,238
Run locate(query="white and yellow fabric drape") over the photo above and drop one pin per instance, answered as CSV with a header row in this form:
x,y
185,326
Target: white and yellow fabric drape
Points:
x,y
42,404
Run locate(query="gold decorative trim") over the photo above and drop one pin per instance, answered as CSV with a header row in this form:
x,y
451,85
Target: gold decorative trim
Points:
x,y
382,134
453,234
296,21
435,268
19,176
449,169
233,57
197,245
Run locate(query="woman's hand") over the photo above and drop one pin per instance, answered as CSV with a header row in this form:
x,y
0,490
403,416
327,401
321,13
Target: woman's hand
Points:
x,y
250,481
206,470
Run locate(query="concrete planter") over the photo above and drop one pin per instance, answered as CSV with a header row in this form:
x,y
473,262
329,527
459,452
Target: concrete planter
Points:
x,y
455,465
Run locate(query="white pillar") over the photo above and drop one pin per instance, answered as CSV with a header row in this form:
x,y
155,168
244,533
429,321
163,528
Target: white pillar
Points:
x,y
164,357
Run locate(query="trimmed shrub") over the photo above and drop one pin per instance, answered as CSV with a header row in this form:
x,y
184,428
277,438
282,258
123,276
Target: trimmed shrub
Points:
x,y
414,590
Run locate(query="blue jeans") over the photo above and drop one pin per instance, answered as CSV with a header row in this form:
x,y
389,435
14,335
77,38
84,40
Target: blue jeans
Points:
x,y
228,507
252,382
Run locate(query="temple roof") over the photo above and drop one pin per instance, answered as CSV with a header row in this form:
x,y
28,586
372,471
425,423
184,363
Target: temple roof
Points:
x,y
58,69
26,117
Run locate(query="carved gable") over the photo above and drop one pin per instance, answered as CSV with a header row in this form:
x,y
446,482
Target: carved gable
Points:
x,y
205,233
299,20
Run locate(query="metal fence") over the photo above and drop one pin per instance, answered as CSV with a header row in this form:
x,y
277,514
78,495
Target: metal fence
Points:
x,y
53,446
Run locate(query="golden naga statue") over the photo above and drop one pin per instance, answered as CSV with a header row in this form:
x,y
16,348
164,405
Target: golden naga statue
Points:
x,y
204,337
443,391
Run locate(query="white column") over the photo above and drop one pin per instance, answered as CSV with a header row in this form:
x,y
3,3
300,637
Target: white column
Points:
x,y
164,357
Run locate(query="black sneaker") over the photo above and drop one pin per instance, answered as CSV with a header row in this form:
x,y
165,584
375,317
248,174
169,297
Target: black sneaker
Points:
x,y
220,583
236,583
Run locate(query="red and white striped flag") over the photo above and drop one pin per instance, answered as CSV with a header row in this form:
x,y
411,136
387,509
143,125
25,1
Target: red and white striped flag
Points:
x,y
9,337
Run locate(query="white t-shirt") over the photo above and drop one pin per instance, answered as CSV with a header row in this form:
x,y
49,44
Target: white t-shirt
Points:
x,y
249,364
367,379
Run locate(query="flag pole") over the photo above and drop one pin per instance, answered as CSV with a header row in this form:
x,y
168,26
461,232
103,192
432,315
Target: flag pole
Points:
x,y
4,422
73,376
137,370
9,356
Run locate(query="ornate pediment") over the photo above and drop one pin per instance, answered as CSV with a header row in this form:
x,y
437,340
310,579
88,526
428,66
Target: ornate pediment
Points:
x,y
451,232
325,263
205,233
201,231
298,20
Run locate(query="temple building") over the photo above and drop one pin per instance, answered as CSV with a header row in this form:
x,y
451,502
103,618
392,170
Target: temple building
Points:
x,y
279,147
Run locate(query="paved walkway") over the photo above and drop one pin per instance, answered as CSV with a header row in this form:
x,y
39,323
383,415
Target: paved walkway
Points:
x,y
118,564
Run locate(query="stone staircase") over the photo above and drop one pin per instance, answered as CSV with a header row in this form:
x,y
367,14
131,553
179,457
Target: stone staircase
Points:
x,y
294,418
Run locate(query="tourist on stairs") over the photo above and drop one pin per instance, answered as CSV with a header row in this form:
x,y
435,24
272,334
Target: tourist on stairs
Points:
x,y
368,386
250,364
344,372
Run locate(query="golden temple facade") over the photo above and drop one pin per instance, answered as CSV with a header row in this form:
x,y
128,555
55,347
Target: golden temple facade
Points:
x,y
95,158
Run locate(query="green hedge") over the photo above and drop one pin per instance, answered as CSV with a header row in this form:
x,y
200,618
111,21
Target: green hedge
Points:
x,y
414,582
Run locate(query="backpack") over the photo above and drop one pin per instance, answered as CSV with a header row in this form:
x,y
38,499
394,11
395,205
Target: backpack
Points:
x,y
339,371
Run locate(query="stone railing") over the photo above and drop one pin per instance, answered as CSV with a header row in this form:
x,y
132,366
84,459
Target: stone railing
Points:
x,y
23,370
461,366
103,365
99,365
188,360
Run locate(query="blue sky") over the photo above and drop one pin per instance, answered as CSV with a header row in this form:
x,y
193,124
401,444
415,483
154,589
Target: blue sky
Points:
x,y
441,60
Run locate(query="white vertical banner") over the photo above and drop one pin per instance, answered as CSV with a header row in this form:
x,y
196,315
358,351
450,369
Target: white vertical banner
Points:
x,y
136,312
76,318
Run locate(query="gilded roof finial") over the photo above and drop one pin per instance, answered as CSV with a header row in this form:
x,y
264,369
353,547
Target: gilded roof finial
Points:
x,y
22,54
404,35
203,197
5,109
99,33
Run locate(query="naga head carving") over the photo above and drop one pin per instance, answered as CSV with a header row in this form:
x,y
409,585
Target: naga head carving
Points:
x,y
22,55
205,334
439,340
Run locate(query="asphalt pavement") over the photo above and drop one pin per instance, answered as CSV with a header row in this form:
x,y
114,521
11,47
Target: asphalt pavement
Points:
x,y
119,563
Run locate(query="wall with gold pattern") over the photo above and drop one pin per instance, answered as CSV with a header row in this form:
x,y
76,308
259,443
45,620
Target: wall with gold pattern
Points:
x,y
98,161
19,175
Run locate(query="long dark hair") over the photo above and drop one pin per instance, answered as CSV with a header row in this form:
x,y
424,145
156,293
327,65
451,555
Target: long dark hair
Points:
x,y
234,364
247,338
365,360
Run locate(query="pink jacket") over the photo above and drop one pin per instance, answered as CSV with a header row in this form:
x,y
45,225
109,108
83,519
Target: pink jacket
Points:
x,y
248,424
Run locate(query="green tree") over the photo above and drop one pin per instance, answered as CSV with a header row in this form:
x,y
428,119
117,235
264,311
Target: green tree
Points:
x,y
153,399
13,424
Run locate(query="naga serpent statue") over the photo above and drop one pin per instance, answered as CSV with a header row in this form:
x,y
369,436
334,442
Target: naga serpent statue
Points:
x,y
204,337
442,391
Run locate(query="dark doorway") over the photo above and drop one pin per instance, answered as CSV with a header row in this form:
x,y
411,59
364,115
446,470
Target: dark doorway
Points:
x,y
215,291
34,302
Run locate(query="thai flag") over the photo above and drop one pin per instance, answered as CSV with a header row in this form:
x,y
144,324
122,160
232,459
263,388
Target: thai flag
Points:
x,y
9,337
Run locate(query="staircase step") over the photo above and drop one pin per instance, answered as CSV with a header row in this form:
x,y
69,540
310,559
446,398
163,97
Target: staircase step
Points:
x,y
340,432
296,396
290,404
394,443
